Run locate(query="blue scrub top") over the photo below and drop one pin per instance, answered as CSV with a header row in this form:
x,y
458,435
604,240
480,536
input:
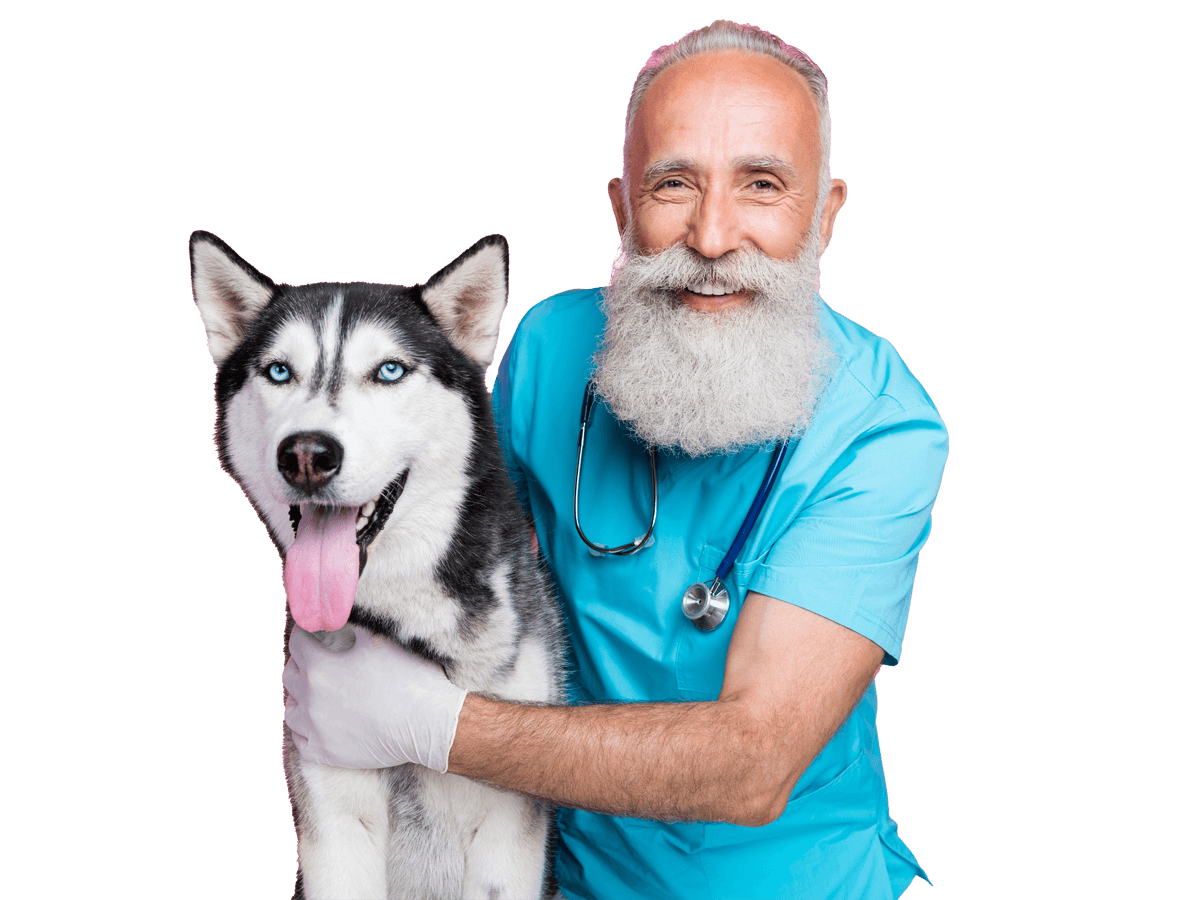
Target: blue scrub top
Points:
x,y
839,535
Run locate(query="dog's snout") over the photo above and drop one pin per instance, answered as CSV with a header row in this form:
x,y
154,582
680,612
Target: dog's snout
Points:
x,y
309,460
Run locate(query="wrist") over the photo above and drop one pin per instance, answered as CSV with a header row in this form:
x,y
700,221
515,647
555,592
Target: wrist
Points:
x,y
465,739
443,739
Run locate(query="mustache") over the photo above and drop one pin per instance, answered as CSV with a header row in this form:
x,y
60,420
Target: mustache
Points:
x,y
679,267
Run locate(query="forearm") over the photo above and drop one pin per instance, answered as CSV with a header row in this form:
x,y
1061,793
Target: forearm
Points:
x,y
677,761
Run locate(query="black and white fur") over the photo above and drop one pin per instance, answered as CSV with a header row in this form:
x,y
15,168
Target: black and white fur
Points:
x,y
448,574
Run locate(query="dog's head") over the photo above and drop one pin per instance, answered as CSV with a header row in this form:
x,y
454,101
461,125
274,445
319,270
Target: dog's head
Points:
x,y
333,397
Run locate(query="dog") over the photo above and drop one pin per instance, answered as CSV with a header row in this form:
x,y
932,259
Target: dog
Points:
x,y
356,419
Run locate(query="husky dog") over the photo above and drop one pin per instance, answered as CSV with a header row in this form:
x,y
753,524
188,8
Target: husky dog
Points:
x,y
356,419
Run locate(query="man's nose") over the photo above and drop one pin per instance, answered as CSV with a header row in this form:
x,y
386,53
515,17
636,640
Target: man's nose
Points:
x,y
716,227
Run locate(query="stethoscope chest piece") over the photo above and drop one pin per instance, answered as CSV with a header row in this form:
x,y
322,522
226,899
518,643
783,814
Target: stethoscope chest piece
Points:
x,y
706,606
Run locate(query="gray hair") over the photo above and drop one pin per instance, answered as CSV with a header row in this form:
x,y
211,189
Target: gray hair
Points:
x,y
721,36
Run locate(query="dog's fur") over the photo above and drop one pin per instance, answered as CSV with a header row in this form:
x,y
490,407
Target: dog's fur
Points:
x,y
448,574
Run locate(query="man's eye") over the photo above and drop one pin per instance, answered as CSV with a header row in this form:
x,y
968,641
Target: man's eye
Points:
x,y
763,185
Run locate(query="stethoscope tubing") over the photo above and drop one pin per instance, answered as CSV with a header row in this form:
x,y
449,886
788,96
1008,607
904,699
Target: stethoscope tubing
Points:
x,y
751,519
764,490
585,415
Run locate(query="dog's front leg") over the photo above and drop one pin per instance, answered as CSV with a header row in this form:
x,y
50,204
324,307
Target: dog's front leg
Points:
x,y
342,831
507,856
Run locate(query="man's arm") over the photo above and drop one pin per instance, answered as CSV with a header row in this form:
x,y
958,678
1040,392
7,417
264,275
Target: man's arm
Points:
x,y
791,678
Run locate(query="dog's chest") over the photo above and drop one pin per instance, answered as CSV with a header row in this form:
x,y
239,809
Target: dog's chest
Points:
x,y
415,605
414,608
480,640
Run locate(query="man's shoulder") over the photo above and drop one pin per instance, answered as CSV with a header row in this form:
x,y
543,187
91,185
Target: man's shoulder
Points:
x,y
574,310
557,335
870,366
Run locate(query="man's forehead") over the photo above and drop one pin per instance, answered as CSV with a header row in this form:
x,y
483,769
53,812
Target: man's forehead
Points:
x,y
711,75
745,107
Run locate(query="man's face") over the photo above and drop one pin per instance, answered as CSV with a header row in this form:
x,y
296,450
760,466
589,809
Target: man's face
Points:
x,y
724,166
725,154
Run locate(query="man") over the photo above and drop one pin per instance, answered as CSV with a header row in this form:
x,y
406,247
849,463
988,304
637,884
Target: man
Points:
x,y
740,761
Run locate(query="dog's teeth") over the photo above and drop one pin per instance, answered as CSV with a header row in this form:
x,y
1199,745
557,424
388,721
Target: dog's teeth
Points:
x,y
368,508
361,523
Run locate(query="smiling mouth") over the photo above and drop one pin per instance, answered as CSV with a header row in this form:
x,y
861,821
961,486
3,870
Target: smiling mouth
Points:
x,y
713,289
713,297
371,518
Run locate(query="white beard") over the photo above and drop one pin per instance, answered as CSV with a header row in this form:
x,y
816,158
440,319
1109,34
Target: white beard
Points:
x,y
712,382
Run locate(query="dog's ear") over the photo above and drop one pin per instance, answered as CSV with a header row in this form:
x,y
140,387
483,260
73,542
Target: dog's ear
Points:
x,y
468,296
228,290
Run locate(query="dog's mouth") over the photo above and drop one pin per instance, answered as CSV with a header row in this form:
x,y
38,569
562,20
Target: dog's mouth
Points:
x,y
323,565
373,515
369,520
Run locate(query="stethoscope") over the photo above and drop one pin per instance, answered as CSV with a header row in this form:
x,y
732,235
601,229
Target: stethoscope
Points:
x,y
706,605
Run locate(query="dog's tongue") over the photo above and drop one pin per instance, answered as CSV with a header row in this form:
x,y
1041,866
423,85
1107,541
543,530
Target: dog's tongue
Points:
x,y
320,572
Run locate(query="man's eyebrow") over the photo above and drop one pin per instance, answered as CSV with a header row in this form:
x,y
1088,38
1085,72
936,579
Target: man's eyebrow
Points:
x,y
772,164
767,164
666,167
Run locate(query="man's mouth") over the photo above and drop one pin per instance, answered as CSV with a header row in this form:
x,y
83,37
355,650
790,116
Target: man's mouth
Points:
x,y
712,288
713,296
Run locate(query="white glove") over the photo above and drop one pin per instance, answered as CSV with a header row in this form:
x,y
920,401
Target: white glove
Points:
x,y
370,707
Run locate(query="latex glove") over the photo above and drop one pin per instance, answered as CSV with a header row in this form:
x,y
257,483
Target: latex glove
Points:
x,y
370,707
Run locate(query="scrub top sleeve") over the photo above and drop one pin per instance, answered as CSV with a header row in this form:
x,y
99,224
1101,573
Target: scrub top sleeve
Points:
x,y
502,413
850,555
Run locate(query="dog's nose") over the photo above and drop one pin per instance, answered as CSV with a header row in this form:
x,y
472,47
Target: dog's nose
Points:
x,y
309,460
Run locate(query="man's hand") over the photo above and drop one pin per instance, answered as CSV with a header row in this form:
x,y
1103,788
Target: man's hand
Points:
x,y
370,707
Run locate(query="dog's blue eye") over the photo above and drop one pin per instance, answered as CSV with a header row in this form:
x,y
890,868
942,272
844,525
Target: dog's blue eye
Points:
x,y
279,373
391,371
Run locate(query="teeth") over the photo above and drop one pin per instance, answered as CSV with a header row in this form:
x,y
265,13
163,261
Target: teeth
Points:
x,y
364,515
710,289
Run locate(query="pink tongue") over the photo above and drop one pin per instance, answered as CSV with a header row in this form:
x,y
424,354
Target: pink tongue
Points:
x,y
321,569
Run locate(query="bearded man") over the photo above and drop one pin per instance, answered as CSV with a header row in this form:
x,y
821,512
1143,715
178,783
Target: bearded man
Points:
x,y
741,759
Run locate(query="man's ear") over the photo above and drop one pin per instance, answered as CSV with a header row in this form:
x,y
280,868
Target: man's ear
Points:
x,y
229,292
837,196
617,199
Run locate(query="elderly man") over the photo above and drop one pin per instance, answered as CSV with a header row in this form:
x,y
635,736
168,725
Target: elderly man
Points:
x,y
703,758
